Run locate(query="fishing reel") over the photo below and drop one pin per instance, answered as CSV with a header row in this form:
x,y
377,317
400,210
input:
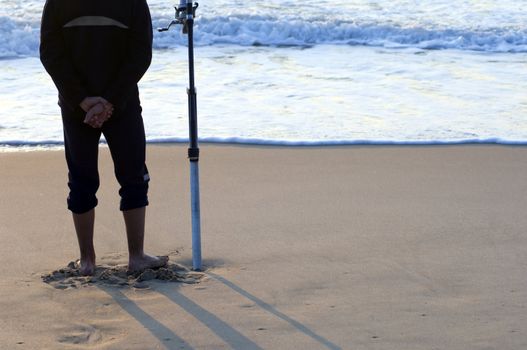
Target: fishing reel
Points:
x,y
181,16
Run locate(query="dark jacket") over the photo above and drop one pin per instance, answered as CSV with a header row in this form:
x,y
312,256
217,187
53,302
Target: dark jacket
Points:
x,y
96,48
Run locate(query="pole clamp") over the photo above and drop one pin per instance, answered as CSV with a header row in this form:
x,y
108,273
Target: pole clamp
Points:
x,y
193,154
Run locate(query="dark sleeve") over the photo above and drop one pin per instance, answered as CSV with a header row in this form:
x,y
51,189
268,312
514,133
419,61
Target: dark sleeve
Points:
x,y
56,59
138,57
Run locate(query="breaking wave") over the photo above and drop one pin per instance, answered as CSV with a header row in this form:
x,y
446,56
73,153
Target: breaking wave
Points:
x,y
21,38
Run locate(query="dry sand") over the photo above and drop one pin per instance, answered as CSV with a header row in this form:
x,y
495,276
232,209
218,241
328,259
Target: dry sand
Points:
x,y
305,248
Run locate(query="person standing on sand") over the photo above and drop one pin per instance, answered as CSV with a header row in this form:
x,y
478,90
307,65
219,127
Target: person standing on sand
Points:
x,y
96,51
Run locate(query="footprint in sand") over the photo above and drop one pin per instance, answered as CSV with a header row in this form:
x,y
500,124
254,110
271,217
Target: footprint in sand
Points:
x,y
81,334
89,335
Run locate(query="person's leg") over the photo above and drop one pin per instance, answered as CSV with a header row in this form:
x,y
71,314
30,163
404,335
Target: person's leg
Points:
x,y
125,135
81,144
135,231
84,228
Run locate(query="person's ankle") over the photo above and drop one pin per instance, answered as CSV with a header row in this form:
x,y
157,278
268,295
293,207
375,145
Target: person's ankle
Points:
x,y
88,256
136,255
87,265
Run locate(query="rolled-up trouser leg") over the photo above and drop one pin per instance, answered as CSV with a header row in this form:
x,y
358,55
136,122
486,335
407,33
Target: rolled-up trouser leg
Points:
x,y
125,135
81,143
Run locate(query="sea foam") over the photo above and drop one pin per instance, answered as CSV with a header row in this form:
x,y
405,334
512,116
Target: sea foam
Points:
x,y
273,31
21,37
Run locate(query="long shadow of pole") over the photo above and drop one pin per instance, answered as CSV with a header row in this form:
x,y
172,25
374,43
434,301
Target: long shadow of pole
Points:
x,y
299,326
166,336
231,336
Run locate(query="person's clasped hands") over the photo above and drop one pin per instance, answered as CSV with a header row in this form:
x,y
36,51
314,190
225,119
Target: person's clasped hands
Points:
x,y
98,110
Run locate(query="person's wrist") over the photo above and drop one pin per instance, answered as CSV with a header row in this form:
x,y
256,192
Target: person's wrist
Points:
x,y
84,105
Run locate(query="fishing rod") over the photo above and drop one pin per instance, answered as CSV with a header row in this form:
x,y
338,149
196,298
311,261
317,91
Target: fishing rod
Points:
x,y
185,13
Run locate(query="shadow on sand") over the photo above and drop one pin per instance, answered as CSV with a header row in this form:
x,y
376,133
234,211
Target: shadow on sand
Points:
x,y
222,329
165,335
269,308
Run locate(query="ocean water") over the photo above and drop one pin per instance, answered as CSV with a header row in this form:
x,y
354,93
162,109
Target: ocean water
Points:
x,y
305,72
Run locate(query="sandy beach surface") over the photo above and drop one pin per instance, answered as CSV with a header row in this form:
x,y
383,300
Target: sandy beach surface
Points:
x,y
394,248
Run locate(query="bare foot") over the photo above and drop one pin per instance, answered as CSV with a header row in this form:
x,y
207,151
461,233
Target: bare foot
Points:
x,y
136,264
86,267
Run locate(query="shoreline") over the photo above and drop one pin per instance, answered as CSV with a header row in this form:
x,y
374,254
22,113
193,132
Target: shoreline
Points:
x,y
12,148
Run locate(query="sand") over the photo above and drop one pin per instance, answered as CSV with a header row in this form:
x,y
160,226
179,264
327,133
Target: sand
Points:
x,y
304,248
114,274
